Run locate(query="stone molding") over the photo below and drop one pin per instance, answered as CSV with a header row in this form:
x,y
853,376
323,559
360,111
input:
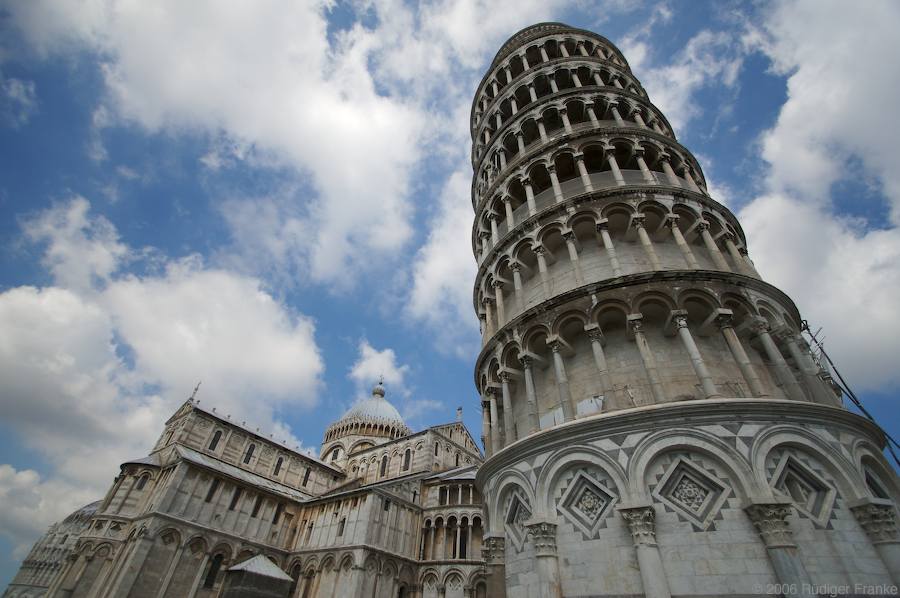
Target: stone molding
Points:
x,y
493,550
653,417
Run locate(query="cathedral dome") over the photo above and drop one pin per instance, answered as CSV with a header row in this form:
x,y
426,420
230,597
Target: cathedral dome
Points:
x,y
373,417
375,408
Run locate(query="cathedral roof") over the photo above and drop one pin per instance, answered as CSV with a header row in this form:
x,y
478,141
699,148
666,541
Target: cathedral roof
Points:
x,y
85,512
375,409
261,565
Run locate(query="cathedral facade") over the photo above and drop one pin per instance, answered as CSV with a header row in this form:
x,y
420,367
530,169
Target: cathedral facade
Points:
x,y
217,509
654,423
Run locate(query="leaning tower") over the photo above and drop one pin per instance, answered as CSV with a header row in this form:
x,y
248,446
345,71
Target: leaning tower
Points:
x,y
655,425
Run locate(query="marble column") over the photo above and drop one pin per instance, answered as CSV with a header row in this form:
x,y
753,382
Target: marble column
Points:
x,y
770,520
582,171
667,168
509,425
603,229
615,113
520,141
737,258
597,341
724,319
748,261
562,381
638,223
490,329
783,372
540,252
799,350
572,246
495,231
554,181
496,443
501,304
641,520
486,428
530,394
679,319
529,196
516,268
589,107
642,164
635,323
543,538
683,246
542,130
510,218
878,518
614,166
713,249
531,92
493,551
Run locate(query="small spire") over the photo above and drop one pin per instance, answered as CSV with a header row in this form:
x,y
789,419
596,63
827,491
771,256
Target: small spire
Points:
x,y
194,394
459,414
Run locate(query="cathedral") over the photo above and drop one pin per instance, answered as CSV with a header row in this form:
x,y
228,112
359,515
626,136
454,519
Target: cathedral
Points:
x,y
654,423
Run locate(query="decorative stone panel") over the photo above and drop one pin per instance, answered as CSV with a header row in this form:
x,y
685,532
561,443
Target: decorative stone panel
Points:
x,y
803,481
586,503
694,493
517,513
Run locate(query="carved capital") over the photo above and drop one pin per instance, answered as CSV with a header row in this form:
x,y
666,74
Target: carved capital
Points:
x,y
702,225
743,251
680,320
526,182
539,250
642,524
494,550
637,221
595,335
515,266
555,346
543,535
563,111
635,323
758,325
770,520
505,377
569,235
725,320
879,521
578,157
527,361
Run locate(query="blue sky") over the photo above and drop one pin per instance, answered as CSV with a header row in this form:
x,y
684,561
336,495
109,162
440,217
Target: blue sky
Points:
x,y
273,198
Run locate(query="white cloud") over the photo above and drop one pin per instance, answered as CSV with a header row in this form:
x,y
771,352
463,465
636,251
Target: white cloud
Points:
x,y
81,253
30,505
94,364
841,277
444,271
840,97
260,74
843,274
371,365
18,101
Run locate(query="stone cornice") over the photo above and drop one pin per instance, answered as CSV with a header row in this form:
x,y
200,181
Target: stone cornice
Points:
x,y
579,132
674,276
592,196
537,70
655,417
534,32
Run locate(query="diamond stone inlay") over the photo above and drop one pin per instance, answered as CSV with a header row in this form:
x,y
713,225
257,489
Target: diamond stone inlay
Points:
x,y
692,492
516,516
586,503
689,493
